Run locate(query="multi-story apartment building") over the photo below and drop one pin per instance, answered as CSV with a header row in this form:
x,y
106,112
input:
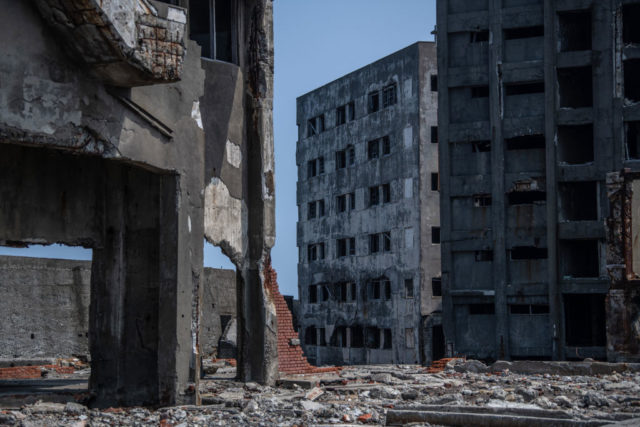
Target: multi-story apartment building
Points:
x,y
538,110
368,229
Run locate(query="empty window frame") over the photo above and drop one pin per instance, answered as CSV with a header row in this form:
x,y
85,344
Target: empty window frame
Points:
x,y
322,340
585,320
339,337
310,335
523,32
315,167
380,242
315,209
345,247
387,341
408,288
435,181
578,201
435,235
373,149
631,83
579,258
315,125
434,83
324,292
386,241
575,86
372,337
341,159
482,200
512,89
351,156
575,144
525,142
357,336
528,253
374,101
315,252
313,294
436,286
632,139
341,115
353,291
434,134
389,95
526,197
386,193
385,141
482,309
479,36
341,203
213,25
630,27
387,289
374,196
340,291
574,30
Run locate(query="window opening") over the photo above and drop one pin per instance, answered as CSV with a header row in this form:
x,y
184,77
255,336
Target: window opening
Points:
x,y
480,92
341,115
434,134
525,142
528,252
341,159
575,30
523,32
435,235
387,289
435,181
389,95
630,27
481,309
579,258
322,341
313,294
310,335
386,193
436,286
631,83
526,197
357,336
386,146
374,196
434,83
578,201
373,149
374,101
575,87
481,146
585,320
387,339
479,36
524,88
373,337
408,288
575,144
482,200
632,139
351,156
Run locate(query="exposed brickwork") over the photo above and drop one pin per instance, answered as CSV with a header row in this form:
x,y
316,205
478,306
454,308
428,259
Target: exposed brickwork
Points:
x,y
291,358
30,372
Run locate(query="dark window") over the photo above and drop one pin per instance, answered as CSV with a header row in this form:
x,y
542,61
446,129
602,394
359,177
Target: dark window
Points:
x,y
539,309
389,95
435,181
315,251
434,134
310,335
339,337
341,247
375,289
386,146
523,33
524,88
408,288
341,159
585,320
631,83
213,26
341,115
579,258
351,110
436,286
373,337
352,246
325,292
575,30
311,127
434,83
387,339
386,241
351,156
632,137
373,149
311,210
357,337
374,101
320,208
575,144
480,92
320,165
575,87
528,252
520,309
578,201
374,243
630,27
354,294
483,256
525,142
374,196
479,36
526,197
312,169
322,341
341,204
482,200
352,201
386,193
481,146
435,235
313,294
478,309
387,289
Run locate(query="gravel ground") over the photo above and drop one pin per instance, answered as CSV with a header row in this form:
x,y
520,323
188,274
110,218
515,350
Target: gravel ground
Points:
x,y
364,395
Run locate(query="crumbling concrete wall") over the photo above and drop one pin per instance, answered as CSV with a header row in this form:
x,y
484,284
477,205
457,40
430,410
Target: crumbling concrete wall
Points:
x,y
45,308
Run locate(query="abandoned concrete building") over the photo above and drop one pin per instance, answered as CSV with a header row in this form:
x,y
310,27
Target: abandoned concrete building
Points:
x,y
539,122
368,228
137,129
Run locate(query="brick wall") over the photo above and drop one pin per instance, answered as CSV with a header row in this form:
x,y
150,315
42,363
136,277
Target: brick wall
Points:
x,y
291,358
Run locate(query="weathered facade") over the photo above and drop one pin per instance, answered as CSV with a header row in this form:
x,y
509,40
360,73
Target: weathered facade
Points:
x,y
368,229
116,135
538,114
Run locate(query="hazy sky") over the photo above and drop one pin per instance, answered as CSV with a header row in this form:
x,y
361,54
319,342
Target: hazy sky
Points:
x,y
316,41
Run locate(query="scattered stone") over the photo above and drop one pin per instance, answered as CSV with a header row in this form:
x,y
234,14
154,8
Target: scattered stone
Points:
x,y
314,393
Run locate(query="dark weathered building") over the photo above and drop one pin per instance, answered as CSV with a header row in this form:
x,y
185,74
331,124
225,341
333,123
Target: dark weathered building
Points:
x,y
121,134
368,217
538,114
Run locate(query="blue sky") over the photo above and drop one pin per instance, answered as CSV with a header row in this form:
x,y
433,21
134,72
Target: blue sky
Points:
x,y
316,41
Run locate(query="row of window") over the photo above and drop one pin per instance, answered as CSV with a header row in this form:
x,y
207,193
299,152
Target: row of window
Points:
x,y
379,288
354,336
378,99
346,246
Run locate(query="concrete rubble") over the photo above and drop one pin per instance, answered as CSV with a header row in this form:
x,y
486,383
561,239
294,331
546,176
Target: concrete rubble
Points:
x,y
466,392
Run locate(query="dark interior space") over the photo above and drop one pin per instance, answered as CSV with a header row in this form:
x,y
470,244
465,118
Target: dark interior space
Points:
x,y
631,80
357,336
575,144
524,88
632,140
526,197
578,201
579,259
437,342
373,337
630,20
585,320
575,30
575,87
523,32
525,142
528,252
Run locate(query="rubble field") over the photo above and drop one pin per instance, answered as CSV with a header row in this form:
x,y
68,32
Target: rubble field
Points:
x,y
463,393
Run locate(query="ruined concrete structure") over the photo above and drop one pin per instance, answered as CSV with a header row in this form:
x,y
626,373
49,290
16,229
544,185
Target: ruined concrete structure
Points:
x,y
538,114
119,135
45,304
368,229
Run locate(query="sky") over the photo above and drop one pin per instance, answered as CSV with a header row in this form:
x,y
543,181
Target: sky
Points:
x,y
316,42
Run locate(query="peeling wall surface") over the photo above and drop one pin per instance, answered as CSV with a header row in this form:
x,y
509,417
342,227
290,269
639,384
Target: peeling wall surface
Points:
x,y
109,132
538,106
365,175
